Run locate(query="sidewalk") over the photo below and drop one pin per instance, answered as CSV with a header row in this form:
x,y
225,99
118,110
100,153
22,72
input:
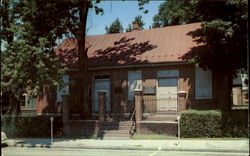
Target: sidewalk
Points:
x,y
166,145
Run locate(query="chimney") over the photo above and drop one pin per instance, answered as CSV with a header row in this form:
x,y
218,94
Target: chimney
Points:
x,y
135,26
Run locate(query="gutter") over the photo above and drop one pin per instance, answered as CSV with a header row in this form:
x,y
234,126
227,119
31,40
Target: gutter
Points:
x,y
133,66
138,66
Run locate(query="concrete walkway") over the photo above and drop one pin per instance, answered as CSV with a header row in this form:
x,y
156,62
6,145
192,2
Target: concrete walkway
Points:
x,y
166,145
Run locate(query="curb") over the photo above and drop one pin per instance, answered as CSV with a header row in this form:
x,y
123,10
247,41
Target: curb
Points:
x,y
228,150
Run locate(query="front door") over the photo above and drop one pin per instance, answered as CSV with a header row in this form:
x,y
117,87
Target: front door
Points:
x,y
167,93
101,85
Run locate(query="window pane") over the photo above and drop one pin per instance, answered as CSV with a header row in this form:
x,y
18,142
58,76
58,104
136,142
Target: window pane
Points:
x,y
23,100
64,90
134,83
31,102
203,84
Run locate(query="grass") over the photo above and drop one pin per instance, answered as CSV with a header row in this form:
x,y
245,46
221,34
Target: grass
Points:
x,y
240,107
167,137
214,138
153,137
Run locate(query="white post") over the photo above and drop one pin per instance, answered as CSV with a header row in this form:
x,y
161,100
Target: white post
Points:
x,y
179,132
51,128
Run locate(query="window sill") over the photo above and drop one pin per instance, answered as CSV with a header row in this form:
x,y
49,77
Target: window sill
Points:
x,y
203,98
27,108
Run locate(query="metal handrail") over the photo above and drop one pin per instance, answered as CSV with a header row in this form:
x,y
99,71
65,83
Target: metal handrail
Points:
x,y
133,121
132,115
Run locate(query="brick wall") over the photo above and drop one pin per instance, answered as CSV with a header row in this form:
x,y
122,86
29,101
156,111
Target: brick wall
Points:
x,y
119,89
157,128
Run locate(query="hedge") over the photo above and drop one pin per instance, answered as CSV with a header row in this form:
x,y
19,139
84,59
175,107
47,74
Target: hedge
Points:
x,y
203,124
30,125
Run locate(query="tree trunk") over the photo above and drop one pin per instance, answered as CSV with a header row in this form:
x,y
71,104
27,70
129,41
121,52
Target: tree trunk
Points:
x,y
223,90
14,105
82,57
229,82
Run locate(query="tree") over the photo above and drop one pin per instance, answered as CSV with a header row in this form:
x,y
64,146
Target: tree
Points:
x,y
222,34
28,62
138,20
174,12
115,27
225,36
129,29
69,17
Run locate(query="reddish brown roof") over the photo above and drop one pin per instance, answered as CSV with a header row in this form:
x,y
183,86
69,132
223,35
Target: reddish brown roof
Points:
x,y
160,45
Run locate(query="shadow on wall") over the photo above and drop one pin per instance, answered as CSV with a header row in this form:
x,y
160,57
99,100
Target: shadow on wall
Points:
x,y
213,61
46,101
198,52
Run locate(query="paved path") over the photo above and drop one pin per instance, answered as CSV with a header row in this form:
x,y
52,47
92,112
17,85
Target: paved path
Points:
x,y
162,145
24,151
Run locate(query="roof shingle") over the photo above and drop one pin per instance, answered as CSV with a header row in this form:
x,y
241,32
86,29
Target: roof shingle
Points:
x,y
160,45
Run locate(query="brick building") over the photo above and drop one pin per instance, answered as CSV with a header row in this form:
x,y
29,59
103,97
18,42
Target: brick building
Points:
x,y
146,60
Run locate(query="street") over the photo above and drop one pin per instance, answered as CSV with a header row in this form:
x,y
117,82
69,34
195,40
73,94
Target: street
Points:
x,y
23,151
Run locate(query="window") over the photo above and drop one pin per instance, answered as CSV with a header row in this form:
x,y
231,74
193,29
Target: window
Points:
x,y
64,90
28,101
23,100
203,84
134,83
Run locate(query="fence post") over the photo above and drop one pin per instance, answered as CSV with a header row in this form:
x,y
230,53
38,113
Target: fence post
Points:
x,y
182,97
102,104
138,105
51,129
65,99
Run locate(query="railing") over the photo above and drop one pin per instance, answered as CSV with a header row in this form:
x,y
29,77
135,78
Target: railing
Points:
x,y
133,125
132,116
160,109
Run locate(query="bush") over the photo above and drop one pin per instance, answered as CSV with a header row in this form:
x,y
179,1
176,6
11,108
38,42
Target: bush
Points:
x,y
235,123
202,124
29,125
195,124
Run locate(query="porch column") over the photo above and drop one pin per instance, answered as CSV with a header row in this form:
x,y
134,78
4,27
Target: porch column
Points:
x,y
65,103
138,105
102,104
182,99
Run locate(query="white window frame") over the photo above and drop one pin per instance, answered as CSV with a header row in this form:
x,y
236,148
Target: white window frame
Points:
x,y
200,85
64,90
26,102
131,94
25,95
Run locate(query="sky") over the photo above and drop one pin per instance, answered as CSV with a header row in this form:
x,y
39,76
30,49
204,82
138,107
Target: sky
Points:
x,y
124,10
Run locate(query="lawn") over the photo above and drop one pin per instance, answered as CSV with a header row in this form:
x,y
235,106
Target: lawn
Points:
x,y
239,107
167,137
152,137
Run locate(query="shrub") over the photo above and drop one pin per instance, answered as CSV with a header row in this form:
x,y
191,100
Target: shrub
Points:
x,y
200,124
29,125
235,123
